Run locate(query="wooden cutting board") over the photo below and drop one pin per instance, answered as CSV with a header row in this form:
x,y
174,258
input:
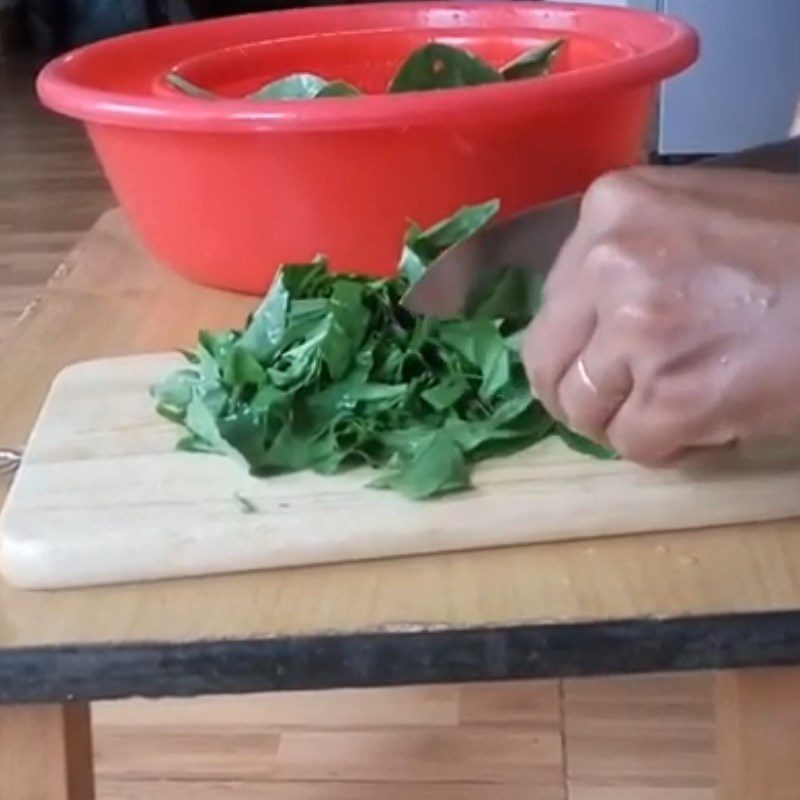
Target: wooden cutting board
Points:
x,y
102,496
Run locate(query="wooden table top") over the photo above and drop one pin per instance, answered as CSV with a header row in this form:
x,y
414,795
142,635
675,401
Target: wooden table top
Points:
x,y
694,599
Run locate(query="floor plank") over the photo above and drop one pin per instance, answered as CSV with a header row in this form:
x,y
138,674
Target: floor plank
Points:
x,y
472,741
644,738
165,790
640,738
51,189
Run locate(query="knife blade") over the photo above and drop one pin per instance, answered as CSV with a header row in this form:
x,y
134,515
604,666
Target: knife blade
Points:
x,y
529,242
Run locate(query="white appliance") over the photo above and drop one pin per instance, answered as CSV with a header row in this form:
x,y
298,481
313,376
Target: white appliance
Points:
x,y
746,86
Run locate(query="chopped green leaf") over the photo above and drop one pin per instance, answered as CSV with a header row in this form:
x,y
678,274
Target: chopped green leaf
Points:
x,y
435,466
443,395
345,328
332,372
241,368
583,445
203,424
431,243
267,324
174,393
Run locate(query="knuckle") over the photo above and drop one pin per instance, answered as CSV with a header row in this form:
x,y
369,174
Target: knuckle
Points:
x,y
612,194
635,192
610,187
629,254
652,311
608,253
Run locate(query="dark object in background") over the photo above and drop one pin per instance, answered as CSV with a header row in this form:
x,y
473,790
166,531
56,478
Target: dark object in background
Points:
x,y
55,26
58,25
203,9
9,26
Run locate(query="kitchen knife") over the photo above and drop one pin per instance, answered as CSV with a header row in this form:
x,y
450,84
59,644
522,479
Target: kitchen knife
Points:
x,y
529,243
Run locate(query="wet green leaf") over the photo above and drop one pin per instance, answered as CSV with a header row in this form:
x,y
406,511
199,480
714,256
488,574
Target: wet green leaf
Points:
x,y
174,393
332,372
583,445
435,466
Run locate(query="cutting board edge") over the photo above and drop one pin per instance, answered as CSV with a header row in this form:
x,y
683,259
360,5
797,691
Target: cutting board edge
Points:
x,y
77,369
27,563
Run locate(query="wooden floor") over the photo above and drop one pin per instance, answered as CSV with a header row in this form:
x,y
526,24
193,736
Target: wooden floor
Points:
x,y
623,739
50,190
626,739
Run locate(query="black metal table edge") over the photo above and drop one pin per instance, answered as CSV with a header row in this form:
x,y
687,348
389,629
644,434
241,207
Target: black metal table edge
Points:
x,y
328,661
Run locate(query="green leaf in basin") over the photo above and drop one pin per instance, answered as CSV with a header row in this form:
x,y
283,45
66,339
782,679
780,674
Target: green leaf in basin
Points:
x,y
177,80
534,63
440,66
338,89
303,86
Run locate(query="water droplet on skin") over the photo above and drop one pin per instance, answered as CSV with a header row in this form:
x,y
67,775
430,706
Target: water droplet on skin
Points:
x,y
769,301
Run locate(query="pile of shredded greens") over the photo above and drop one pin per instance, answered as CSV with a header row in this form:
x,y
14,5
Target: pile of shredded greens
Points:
x,y
332,372
433,66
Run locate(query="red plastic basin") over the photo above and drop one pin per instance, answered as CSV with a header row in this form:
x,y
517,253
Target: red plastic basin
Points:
x,y
224,191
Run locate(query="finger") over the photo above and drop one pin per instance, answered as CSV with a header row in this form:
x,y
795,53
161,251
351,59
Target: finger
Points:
x,y
594,388
555,338
637,436
563,325
698,454
660,434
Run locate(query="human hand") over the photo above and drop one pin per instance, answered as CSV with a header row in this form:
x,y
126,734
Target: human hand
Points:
x,y
672,316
